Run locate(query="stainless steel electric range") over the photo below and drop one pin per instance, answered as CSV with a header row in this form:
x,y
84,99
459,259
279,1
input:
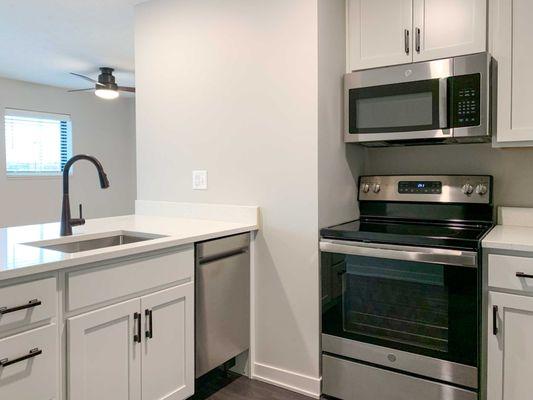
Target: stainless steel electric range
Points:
x,y
401,290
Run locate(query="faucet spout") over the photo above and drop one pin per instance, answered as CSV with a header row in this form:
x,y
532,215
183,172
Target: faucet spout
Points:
x,y
67,222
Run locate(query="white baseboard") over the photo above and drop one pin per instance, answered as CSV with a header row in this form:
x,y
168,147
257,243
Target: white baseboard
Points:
x,y
303,384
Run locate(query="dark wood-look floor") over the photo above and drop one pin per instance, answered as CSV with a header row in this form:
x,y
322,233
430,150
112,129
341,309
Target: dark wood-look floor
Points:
x,y
236,387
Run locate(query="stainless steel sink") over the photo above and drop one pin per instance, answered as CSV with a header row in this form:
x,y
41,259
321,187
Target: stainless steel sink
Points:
x,y
97,243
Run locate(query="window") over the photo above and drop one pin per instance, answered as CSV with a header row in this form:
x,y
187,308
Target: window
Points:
x,y
36,143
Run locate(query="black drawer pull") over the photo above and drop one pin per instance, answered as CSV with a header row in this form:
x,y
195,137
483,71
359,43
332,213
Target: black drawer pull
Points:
x,y
33,353
137,336
149,333
523,275
494,320
30,304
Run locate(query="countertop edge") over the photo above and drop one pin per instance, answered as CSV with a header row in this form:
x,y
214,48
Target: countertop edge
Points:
x,y
118,252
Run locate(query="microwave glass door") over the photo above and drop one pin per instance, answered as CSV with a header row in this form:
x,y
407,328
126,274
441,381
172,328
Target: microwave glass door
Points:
x,y
422,308
401,107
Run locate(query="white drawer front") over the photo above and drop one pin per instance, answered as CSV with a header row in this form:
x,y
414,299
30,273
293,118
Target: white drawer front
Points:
x,y
34,378
503,272
15,308
90,286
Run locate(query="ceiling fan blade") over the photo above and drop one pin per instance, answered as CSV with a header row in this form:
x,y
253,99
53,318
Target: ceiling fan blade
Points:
x,y
126,89
81,90
87,78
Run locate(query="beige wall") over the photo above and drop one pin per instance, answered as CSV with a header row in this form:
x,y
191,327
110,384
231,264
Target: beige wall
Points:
x,y
512,168
231,87
103,129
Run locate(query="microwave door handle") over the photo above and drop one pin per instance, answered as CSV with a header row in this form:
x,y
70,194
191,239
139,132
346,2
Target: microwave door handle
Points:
x,y
443,103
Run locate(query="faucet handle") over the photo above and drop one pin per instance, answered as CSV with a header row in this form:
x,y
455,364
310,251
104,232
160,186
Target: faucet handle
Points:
x,y
80,220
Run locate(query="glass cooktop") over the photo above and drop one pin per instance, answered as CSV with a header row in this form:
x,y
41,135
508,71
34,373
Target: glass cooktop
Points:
x,y
408,232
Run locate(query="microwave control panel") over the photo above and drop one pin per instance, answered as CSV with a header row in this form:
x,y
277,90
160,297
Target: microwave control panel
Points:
x,y
466,99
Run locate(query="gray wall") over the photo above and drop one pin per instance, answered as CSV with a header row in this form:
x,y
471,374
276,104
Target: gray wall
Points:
x,y
236,93
338,165
104,129
512,168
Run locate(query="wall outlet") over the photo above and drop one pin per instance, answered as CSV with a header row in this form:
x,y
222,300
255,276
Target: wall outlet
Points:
x,y
199,180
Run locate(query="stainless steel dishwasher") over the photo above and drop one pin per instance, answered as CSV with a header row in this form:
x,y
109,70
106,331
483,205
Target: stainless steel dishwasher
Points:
x,y
222,301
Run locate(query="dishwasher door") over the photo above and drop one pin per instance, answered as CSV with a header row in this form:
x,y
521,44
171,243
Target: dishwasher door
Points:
x,y
222,301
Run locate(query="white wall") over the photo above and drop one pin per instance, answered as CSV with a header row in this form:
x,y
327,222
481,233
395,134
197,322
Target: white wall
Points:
x,y
512,168
103,129
339,165
231,87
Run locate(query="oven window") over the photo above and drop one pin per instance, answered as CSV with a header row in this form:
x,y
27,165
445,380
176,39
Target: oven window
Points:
x,y
403,303
422,308
393,111
410,106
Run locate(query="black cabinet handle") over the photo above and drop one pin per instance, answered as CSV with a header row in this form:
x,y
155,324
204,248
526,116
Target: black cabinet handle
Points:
x,y
137,319
494,320
150,332
406,41
6,362
417,40
523,275
30,304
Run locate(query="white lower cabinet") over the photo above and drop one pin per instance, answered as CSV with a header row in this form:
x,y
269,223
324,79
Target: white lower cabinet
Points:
x,y
168,345
29,365
104,358
510,349
138,349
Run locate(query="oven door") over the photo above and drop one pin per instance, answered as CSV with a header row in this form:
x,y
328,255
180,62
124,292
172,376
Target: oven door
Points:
x,y
408,308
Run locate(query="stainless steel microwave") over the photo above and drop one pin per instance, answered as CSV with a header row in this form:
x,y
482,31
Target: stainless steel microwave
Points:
x,y
441,101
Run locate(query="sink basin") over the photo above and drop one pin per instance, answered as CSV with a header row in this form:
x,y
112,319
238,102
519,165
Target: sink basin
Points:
x,y
86,244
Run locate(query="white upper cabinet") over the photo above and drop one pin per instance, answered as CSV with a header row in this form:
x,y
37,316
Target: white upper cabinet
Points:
x,y
512,41
389,32
379,33
448,28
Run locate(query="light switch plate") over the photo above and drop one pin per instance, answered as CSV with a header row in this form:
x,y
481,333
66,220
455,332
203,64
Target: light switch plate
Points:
x,y
199,180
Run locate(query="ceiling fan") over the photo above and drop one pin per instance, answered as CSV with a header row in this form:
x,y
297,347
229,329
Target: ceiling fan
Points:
x,y
105,87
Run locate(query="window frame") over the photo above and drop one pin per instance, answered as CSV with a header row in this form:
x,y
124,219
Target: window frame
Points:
x,y
17,112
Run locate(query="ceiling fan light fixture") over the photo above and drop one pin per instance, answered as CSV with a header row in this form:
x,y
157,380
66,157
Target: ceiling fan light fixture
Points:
x,y
105,93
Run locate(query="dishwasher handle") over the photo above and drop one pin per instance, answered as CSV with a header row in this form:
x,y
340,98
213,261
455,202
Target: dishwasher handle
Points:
x,y
217,249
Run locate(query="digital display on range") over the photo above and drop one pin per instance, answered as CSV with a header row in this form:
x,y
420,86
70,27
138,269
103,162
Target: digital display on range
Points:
x,y
420,187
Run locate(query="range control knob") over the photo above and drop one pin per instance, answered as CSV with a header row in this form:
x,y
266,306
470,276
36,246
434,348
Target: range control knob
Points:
x,y
481,189
376,187
468,189
365,187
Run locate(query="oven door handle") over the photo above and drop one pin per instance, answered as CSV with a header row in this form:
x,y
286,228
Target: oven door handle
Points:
x,y
405,253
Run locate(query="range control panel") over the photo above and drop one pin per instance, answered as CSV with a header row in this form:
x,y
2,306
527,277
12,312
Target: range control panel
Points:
x,y
427,188
466,100
421,187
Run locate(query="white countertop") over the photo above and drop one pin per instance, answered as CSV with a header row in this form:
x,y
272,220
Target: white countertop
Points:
x,y
18,259
514,232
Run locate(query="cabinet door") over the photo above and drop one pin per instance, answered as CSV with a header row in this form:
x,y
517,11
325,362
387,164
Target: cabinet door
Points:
x,y
512,41
168,346
449,28
104,360
379,33
510,353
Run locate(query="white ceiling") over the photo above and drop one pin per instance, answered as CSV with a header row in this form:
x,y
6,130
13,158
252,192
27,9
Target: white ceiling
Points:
x,y
43,40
